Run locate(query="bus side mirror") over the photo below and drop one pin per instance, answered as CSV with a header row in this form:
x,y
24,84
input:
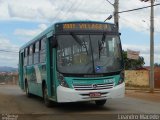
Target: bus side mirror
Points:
x,y
120,34
53,42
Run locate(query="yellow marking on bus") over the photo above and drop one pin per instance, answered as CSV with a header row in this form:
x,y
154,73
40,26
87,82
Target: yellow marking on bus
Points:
x,y
85,26
91,26
69,26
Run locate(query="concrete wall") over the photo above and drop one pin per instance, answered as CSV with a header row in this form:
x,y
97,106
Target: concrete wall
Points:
x,y
137,78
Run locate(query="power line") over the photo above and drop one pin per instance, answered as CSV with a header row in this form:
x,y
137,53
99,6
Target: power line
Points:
x,y
134,9
137,8
72,5
8,51
74,8
135,24
94,8
58,13
145,29
110,2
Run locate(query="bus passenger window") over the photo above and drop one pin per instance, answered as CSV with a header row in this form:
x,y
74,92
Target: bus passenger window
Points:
x,y
24,53
43,43
30,55
43,50
37,47
36,53
33,48
25,56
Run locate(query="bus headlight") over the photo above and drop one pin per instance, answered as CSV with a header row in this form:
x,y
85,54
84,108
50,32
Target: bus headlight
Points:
x,y
121,79
61,80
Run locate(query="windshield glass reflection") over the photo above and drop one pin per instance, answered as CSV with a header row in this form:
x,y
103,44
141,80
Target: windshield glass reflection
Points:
x,y
88,54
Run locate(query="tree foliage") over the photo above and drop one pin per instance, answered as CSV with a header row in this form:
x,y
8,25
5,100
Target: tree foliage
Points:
x,y
157,65
132,64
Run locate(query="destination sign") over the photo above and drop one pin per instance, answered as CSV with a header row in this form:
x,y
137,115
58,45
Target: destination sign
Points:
x,y
63,27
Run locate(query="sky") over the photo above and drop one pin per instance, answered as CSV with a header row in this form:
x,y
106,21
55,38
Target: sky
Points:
x,y
22,20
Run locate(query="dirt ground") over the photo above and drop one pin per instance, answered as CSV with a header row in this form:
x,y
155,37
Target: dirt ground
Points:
x,y
144,95
14,101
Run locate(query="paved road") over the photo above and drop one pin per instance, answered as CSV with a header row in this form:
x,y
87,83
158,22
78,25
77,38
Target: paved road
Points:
x,y
13,100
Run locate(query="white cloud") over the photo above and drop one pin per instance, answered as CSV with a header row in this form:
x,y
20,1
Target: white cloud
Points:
x,y
37,10
59,10
8,53
30,32
5,43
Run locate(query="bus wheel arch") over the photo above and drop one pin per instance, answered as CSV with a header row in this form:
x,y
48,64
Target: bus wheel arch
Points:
x,y
43,85
47,102
27,88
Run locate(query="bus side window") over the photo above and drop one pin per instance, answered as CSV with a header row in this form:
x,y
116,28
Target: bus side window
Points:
x,y
43,50
25,56
33,52
43,43
30,55
36,52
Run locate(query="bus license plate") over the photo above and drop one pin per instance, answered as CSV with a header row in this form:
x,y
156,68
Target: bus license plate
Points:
x,y
96,94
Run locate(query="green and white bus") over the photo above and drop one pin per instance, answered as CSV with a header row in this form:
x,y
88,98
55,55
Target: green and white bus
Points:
x,y
73,62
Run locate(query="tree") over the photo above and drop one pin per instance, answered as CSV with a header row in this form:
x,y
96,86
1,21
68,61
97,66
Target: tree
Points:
x,y
157,65
132,64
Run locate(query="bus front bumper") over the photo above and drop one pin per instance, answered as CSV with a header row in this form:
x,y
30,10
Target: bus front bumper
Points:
x,y
71,95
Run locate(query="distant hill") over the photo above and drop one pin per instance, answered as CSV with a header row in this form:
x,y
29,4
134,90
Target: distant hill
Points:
x,y
8,69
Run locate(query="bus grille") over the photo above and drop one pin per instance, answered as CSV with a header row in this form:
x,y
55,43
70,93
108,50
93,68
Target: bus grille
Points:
x,y
93,86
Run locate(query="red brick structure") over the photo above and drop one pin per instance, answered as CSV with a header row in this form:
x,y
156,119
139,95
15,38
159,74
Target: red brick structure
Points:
x,y
156,76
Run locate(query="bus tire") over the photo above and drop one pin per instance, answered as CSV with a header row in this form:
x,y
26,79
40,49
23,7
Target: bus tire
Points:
x,y
47,102
100,102
27,90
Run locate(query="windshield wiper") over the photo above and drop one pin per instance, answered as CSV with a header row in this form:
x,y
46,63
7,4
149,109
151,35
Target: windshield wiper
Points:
x,y
101,44
78,40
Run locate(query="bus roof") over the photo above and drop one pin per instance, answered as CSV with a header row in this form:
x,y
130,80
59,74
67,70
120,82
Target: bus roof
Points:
x,y
83,21
52,29
45,32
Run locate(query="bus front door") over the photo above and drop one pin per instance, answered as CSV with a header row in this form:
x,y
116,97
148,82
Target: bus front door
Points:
x,y
53,72
21,64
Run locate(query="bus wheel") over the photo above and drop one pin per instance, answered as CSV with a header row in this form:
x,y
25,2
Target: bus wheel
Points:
x,y
27,90
47,102
100,102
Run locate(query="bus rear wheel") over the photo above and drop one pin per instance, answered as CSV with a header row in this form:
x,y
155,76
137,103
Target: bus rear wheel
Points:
x,y
100,102
47,102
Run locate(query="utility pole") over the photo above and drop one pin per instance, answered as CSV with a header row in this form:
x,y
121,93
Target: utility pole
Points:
x,y
151,76
152,47
116,15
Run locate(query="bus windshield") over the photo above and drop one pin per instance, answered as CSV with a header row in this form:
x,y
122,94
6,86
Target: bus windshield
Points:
x,y
88,54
